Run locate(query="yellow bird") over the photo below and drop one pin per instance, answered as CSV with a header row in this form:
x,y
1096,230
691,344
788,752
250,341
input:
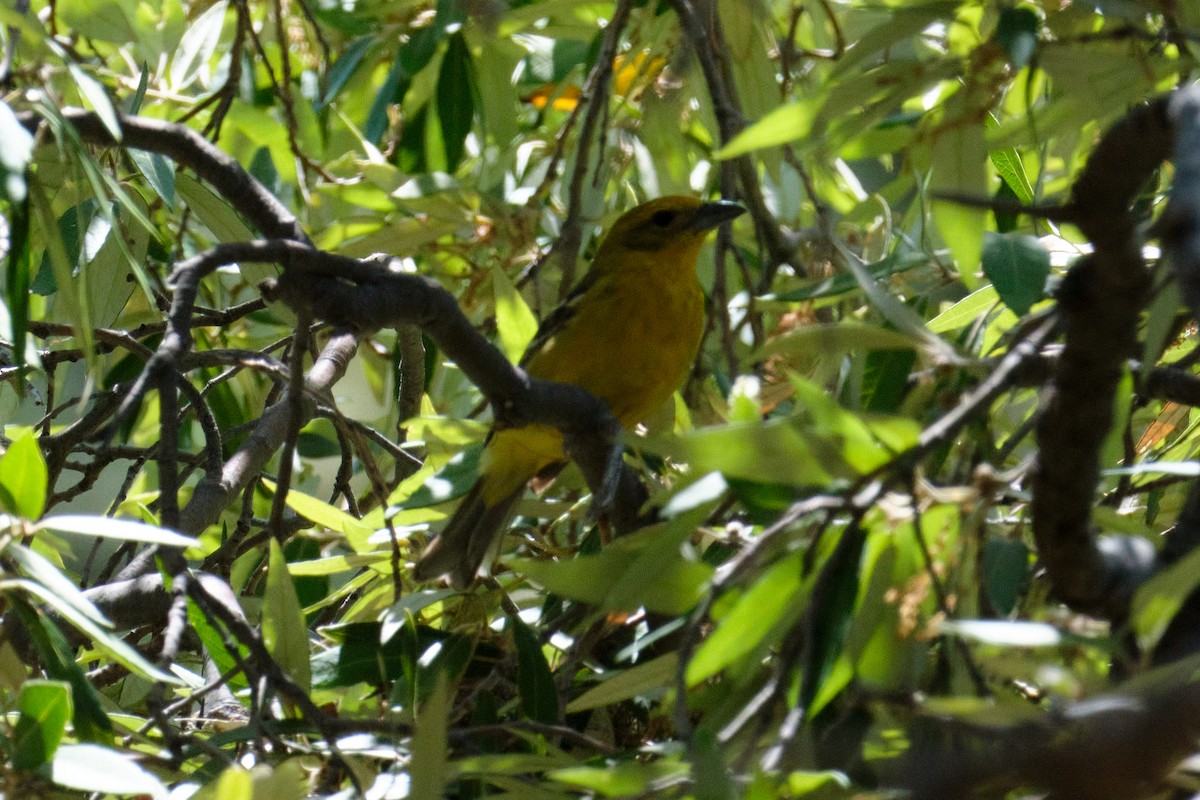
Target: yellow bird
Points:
x,y
627,333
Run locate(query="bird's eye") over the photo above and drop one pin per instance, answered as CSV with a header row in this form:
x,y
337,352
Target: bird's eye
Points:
x,y
663,218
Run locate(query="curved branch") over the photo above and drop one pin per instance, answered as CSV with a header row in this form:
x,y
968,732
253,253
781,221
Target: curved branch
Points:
x,y
1100,301
189,149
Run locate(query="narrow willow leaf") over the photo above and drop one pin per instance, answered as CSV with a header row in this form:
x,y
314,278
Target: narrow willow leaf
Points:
x,y
24,477
45,708
285,632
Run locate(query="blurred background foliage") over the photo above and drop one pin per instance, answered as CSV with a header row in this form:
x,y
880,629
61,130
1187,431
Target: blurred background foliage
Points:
x,y
486,144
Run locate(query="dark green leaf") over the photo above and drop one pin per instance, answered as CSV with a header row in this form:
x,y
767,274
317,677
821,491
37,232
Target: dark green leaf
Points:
x,y
451,481
831,609
89,720
159,172
24,476
314,445
456,92
343,69
1018,266
539,697
1017,33
1005,573
45,707
18,273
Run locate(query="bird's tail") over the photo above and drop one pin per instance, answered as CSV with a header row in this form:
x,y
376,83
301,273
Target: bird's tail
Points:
x,y
469,538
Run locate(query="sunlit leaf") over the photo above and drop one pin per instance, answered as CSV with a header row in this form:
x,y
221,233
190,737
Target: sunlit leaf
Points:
x,y
1017,266
284,631
428,767
111,528
45,708
515,322
652,676
539,696
93,768
23,477
198,45
960,166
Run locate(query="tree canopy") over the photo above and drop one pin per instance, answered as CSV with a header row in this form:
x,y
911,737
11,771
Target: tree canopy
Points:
x,y
922,522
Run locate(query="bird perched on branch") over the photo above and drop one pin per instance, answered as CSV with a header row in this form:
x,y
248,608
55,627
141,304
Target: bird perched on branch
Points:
x,y
627,333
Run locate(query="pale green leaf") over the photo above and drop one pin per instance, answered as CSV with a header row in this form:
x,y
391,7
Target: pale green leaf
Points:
x,y
110,528
652,676
285,632
23,477
93,768
515,322
429,743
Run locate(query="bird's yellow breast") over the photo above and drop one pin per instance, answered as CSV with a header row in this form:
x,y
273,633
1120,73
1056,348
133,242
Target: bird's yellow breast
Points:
x,y
630,344
632,341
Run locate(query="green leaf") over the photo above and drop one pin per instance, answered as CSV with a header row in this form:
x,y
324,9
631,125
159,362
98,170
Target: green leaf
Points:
x,y
711,777
89,720
216,214
535,682
96,98
38,568
1005,573
429,743
45,707
323,514
1160,324
831,612
1158,600
285,632
803,783
109,528
965,311
515,322
234,783
645,569
823,443
624,779
197,46
651,677
456,92
1018,266
1017,34
24,477
1010,168
960,166
215,646
399,613
159,172
768,604
63,265
104,22
785,124
104,639
93,768
394,87
361,655
344,68
18,271
451,481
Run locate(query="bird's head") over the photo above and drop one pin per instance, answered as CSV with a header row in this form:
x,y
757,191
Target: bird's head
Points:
x,y
669,224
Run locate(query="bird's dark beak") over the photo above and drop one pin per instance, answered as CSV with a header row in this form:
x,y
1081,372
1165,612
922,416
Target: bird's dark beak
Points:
x,y
710,215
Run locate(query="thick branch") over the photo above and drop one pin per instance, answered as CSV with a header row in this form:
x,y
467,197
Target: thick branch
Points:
x,y
1100,301
189,149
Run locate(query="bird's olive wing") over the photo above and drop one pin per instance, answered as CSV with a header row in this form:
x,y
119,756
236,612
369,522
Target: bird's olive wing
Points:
x,y
557,319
